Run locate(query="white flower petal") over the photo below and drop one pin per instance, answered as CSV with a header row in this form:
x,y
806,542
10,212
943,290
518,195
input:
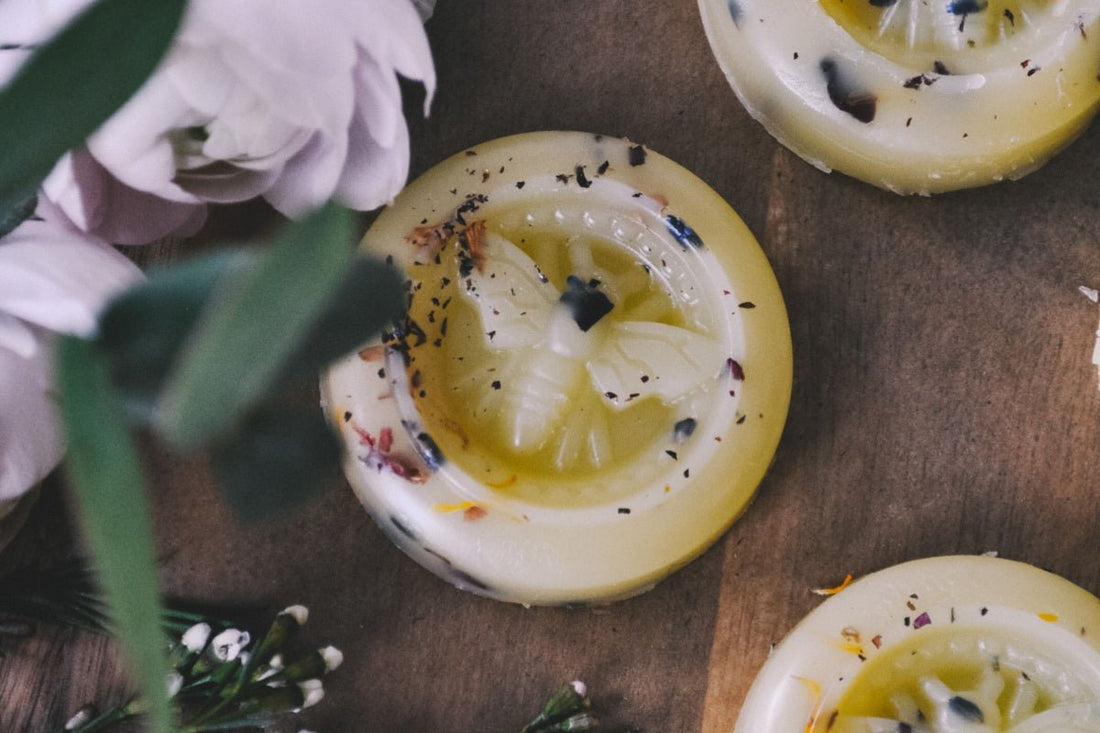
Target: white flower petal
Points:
x,y
372,174
17,337
32,21
133,144
378,100
400,43
98,203
55,278
289,35
226,184
30,438
309,179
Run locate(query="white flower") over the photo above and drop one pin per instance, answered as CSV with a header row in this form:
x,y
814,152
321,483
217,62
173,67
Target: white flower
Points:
x,y
228,645
299,613
52,279
195,638
296,101
333,657
312,692
173,683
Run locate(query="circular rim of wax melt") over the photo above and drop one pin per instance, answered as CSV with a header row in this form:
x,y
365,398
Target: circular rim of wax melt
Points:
x,y
515,551
808,672
930,132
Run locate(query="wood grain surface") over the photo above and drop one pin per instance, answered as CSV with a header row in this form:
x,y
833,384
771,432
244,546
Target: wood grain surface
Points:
x,y
944,402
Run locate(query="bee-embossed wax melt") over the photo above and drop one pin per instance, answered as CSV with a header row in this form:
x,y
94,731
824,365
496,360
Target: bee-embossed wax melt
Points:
x,y
964,644
917,96
591,378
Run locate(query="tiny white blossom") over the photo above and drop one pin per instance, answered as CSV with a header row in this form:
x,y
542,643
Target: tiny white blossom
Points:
x,y
333,657
229,644
312,691
300,613
81,718
195,638
174,683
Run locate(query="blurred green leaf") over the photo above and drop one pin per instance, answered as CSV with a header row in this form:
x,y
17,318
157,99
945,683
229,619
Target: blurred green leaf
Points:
x,y
103,466
143,330
371,295
21,209
74,82
279,458
243,343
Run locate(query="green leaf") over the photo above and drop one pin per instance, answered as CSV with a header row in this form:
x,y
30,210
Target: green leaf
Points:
x,y
143,330
371,295
103,467
75,82
252,328
279,458
20,210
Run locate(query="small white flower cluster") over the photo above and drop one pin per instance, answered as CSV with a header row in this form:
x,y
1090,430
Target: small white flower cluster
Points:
x,y
221,679
295,101
216,664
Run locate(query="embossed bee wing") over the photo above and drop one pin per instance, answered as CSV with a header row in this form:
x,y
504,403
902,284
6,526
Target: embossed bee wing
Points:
x,y
646,358
514,298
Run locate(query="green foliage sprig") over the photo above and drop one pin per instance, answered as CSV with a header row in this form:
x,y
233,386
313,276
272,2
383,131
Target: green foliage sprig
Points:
x,y
219,680
202,355
570,709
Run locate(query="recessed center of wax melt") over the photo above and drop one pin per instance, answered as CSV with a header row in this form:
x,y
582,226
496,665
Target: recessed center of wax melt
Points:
x,y
952,36
563,356
974,680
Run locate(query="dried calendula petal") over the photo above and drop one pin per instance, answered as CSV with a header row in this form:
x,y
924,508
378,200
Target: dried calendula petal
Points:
x,y
915,96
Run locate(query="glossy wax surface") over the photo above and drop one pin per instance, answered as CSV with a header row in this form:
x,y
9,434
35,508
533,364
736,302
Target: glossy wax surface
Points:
x,y
913,96
957,644
591,380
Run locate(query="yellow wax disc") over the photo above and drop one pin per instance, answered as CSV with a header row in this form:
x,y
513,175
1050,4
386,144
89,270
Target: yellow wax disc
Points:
x,y
591,379
963,644
915,96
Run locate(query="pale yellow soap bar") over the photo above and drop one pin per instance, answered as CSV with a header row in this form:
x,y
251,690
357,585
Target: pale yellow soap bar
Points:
x,y
591,379
915,96
960,644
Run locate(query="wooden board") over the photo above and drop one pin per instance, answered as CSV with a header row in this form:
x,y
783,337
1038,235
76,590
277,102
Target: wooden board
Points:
x,y
944,402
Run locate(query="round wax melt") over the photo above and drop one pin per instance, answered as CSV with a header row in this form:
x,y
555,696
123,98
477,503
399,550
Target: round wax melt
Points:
x,y
915,96
591,379
965,644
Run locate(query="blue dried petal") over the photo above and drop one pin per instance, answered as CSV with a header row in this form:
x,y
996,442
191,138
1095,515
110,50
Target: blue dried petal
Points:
x,y
966,7
684,234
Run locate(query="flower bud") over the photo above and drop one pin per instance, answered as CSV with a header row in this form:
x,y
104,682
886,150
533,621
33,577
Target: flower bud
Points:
x,y
195,638
312,692
288,621
228,645
315,664
173,683
81,717
299,613
568,701
333,657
